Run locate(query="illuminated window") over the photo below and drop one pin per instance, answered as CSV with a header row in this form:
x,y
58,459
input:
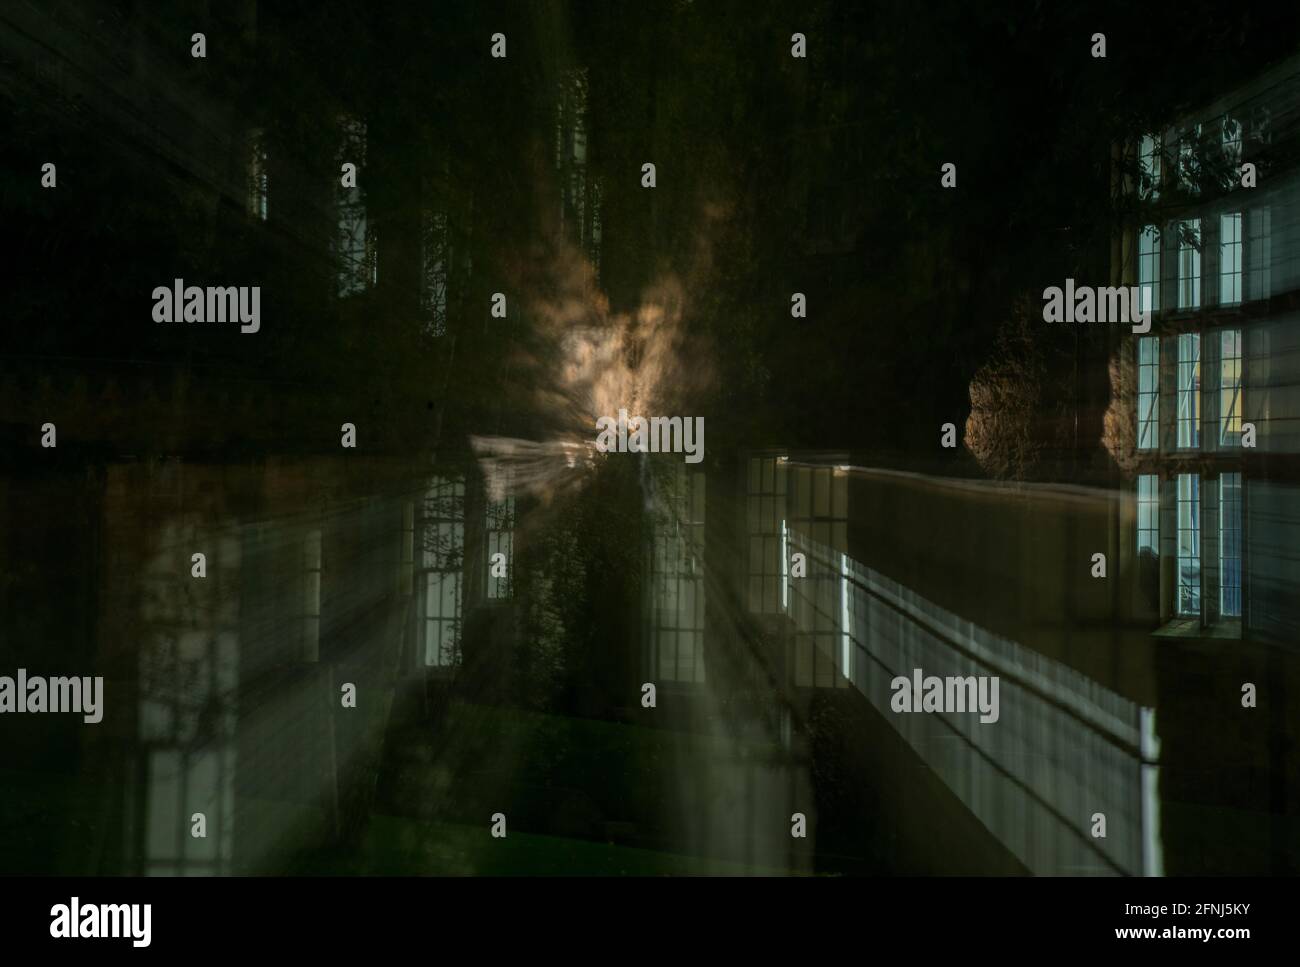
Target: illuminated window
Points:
x,y
1148,392
1148,514
442,569
1230,387
1149,168
1189,389
1189,161
1149,267
1230,545
1230,258
1189,264
1189,544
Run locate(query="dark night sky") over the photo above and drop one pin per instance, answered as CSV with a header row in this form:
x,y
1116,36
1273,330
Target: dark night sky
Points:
x,y
752,146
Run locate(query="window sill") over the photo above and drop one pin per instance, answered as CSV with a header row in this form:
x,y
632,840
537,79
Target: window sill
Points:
x,y
1189,626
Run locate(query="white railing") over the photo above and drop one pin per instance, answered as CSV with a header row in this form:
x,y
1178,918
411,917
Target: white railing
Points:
x,y
1063,748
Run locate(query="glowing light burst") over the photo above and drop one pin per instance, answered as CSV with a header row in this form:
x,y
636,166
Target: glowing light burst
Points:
x,y
588,362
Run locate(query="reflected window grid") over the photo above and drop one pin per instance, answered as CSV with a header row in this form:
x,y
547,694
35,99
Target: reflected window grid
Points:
x,y
188,678
818,520
677,578
187,770
765,501
435,257
499,539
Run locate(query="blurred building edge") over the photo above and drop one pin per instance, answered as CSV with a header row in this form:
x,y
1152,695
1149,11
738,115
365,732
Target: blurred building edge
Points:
x,y
228,689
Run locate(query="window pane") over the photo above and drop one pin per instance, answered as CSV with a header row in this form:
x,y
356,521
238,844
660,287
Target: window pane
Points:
x,y
1189,544
1148,392
1189,264
1189,390
1148,514
1230,258
1149,169
1230,387
1149,267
